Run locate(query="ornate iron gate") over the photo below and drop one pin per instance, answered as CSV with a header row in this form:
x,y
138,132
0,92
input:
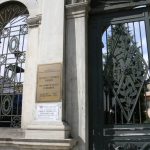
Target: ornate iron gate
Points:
x,y
13,46
119,80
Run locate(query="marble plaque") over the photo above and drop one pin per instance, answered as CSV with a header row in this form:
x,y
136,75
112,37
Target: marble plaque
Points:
x,y
49,83
48,111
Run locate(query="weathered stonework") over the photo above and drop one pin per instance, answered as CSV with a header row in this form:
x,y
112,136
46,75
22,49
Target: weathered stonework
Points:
x,y
34,22
23,144
75,1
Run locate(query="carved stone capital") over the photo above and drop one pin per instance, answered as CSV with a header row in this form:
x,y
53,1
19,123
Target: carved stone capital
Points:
x,y
34,21
76,10
75,1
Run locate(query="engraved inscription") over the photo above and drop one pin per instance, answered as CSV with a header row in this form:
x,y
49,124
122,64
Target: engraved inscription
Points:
x,y
48,111
49,83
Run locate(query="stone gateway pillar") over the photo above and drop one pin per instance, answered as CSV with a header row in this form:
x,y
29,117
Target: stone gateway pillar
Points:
x,y
43,109
43,120
50,100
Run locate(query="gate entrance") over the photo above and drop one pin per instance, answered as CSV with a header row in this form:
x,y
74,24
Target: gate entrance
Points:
x,y
13,46
119,80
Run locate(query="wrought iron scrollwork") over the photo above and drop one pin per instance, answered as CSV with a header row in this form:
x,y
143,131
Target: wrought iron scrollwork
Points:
x,y
126,146
125,71
6,105
13,34
24,29
14,44
9,11
5,32
2,59
16,122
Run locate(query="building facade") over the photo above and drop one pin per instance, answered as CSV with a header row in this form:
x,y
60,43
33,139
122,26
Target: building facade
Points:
x,y
74,74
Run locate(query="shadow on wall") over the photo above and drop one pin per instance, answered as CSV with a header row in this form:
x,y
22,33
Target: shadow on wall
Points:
x,y
75,81
72,105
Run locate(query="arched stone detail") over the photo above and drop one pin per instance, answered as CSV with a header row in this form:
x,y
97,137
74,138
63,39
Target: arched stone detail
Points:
x,y
10,10
32,5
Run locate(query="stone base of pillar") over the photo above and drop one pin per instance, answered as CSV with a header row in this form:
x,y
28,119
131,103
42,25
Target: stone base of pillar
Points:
x,y
46,138
26,144
47,131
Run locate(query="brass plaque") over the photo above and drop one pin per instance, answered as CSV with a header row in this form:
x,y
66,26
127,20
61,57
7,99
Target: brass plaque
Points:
x,y
49,83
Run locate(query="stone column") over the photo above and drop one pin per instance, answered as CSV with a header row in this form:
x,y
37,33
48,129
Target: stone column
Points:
x,y
46,45
29,89
76,72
